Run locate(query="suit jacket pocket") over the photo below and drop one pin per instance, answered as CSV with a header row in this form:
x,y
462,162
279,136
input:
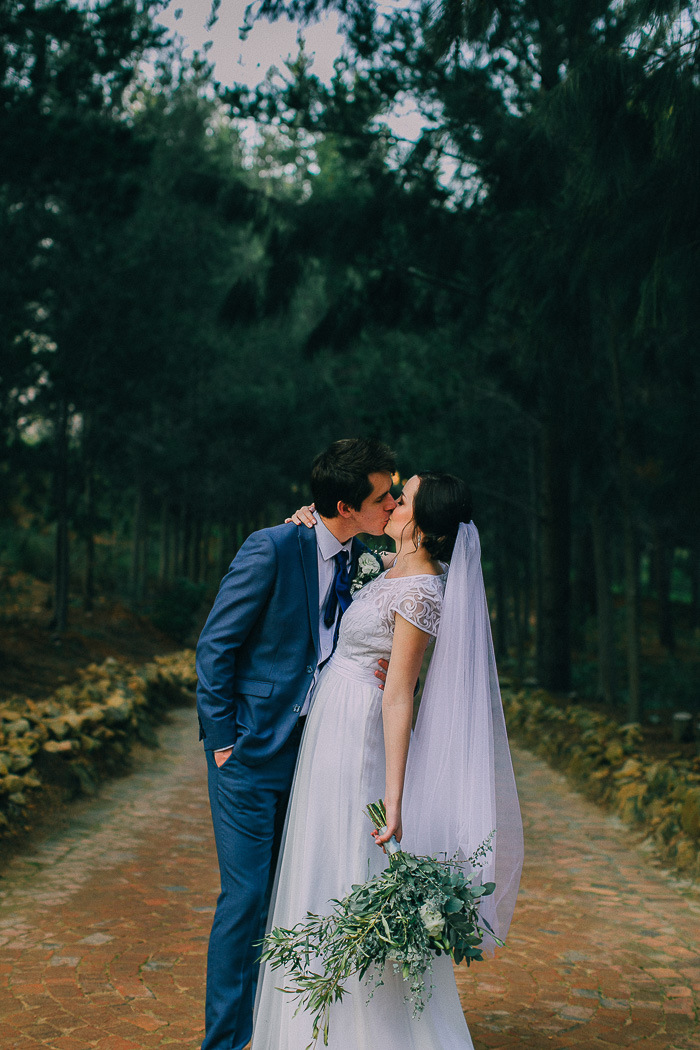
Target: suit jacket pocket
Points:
x,y
252,687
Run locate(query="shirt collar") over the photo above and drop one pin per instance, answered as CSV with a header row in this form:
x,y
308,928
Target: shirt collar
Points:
x,y
328,545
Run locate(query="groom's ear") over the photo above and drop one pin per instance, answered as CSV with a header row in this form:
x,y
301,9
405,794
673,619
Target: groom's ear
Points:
x,y
344,509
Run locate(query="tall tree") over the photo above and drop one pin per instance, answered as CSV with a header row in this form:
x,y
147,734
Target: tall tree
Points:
x,y
497,84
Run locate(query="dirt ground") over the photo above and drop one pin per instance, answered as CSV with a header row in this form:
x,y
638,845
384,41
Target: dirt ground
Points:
x,y
34,661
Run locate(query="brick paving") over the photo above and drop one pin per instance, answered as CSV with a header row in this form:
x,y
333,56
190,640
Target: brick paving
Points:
x,y
604,950
104,925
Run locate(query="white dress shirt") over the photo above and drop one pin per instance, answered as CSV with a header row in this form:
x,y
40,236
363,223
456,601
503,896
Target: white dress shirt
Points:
x,y
327,546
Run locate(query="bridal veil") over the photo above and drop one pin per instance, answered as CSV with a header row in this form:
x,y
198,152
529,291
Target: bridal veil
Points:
x,y
460,785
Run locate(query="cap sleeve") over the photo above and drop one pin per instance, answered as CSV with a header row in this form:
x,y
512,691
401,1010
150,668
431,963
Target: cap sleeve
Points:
x,y
420,602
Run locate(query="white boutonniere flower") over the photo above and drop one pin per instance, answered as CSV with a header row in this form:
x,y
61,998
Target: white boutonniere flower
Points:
x,y
369,565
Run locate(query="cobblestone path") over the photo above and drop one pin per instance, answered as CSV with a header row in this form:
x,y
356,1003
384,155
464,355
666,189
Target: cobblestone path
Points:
x,y
103,927
604,950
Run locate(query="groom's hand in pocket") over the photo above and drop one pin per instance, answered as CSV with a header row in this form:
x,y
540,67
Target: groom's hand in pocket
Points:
x,y
222,756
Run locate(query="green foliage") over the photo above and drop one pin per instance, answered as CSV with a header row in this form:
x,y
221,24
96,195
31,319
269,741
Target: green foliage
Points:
x,y
612,764
198,315
84,732
549,281
25,550
176,606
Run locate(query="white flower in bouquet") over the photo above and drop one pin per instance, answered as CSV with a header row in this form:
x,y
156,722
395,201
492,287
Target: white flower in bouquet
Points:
x,y
432,920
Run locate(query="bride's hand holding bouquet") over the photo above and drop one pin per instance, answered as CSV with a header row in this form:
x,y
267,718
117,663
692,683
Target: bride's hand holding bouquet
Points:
x,y
387,825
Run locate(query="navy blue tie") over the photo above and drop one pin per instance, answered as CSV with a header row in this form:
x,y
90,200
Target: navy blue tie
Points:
x,y
340,590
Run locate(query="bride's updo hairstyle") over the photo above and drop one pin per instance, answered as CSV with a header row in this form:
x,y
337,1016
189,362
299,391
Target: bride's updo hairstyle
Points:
x,y
441,502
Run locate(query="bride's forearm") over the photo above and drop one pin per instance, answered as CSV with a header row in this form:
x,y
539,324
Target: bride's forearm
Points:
x,y
397,716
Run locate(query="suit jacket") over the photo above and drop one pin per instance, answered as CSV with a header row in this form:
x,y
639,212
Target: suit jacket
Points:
x,y
259,648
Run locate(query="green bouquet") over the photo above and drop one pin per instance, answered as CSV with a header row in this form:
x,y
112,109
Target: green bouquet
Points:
x,y
417,907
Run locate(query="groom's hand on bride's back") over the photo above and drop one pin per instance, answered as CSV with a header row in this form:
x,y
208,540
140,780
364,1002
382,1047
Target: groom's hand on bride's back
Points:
x,y
381,675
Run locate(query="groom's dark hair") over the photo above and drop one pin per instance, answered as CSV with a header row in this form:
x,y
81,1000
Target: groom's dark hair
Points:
x,y
341,473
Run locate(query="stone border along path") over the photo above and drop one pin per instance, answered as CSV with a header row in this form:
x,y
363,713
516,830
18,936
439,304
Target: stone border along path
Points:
x,y
104,926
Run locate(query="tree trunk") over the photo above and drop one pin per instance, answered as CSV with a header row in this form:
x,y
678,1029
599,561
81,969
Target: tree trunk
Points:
x,y
178,532
204,546
227,547
89,584
528,602
196,553
555,661
500,638
694,570
90,521
520,622
137,582
165,545
629,540
663,566
631,553
62,563
583,600
186,519
144,552
604,606
536,554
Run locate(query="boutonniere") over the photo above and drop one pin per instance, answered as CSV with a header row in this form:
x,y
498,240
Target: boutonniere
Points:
x,y
369,565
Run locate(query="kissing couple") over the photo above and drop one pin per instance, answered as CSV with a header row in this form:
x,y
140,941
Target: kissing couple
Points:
x,y
305,702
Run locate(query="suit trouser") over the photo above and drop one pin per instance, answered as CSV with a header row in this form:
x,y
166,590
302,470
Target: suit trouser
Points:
x,y
248,807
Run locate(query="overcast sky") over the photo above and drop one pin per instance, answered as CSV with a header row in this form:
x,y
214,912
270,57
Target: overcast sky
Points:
x,y
267,44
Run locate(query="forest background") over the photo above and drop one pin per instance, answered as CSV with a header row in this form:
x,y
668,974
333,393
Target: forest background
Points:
x,y
201,285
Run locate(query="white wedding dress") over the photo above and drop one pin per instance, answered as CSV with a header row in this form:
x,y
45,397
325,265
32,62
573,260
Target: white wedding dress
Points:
x,y
328,845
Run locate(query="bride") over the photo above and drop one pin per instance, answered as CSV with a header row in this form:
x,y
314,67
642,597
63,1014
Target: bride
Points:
x,y
445,790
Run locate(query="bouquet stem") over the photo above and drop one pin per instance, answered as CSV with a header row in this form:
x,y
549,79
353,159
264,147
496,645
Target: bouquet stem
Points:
x,y
376,811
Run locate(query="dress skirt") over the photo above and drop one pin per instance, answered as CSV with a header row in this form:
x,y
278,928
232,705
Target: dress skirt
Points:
x,y
328,846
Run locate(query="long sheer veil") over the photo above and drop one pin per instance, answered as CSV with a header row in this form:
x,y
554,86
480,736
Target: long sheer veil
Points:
x,y
459,779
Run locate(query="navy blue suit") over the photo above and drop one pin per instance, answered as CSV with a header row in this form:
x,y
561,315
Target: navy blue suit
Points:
x,y
255,661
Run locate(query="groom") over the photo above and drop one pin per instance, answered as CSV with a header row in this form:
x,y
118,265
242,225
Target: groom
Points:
x,y
274,622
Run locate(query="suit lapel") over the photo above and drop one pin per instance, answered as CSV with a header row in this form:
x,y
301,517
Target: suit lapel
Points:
x,y
309,561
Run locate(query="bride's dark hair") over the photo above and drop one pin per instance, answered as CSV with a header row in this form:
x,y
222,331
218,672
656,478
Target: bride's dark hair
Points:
x,y
441,502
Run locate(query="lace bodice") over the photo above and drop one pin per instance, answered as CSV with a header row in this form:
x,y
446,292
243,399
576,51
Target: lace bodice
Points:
x,y
367,627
